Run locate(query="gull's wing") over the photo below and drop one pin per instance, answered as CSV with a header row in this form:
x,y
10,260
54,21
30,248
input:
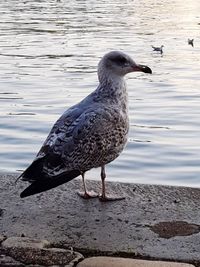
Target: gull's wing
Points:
x,y
91,139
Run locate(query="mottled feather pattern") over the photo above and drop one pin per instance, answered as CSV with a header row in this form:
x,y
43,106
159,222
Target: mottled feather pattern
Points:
x,y
96,137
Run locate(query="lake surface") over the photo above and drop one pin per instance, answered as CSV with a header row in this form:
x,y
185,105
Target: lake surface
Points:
x,y
49,51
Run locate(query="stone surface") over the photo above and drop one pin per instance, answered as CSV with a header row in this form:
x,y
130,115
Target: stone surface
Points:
x,y
6,261
140,225
122,262
2,238
33,251
24,242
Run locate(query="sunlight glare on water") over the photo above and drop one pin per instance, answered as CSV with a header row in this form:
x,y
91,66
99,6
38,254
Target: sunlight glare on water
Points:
x,y
49,52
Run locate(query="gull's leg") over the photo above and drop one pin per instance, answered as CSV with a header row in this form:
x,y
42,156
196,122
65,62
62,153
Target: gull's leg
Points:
x,y
86,194
103,196
103,177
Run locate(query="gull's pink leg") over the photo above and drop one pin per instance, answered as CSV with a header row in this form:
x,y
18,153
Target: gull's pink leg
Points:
x,y
86,194
103,196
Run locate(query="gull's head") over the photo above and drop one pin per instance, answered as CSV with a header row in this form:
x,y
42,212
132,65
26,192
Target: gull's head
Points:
x,y
117,63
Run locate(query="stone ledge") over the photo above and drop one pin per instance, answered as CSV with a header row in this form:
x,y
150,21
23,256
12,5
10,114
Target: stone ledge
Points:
x,y
153,222
122,262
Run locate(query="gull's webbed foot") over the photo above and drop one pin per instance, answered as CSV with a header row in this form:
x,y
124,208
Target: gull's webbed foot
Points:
x,y
88,194
110,198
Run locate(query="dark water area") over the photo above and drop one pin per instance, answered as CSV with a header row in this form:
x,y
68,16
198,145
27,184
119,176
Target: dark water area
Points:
x,y
49,52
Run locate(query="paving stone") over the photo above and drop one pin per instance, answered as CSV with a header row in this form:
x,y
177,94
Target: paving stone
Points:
x,y
2,238
41,253
6,261
24,242
122,262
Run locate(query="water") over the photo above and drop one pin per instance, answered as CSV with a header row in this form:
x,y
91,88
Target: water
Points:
x,y
48,56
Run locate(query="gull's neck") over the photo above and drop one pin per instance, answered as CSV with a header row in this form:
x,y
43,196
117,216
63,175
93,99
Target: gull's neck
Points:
x,y
111,84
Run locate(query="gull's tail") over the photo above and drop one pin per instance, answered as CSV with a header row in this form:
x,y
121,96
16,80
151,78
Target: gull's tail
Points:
x,y
41,181
47,183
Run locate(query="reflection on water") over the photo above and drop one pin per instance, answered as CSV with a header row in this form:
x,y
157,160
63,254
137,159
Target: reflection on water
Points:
x,y
49,51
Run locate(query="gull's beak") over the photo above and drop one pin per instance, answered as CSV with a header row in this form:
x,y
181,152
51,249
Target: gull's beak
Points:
x,y
142,68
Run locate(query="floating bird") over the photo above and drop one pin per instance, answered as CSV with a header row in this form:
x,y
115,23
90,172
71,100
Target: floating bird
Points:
x,y
88,135
191,42
158,49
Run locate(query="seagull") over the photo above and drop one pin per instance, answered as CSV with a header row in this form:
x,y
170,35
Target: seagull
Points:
x,y
89,134
158,49
191,42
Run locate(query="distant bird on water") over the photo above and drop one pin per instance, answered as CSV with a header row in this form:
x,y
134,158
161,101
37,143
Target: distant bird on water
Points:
x,y
158,49
191,42
88,135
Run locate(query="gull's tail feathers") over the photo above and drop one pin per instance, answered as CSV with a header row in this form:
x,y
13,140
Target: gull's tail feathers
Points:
x,y
40,181
48,183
